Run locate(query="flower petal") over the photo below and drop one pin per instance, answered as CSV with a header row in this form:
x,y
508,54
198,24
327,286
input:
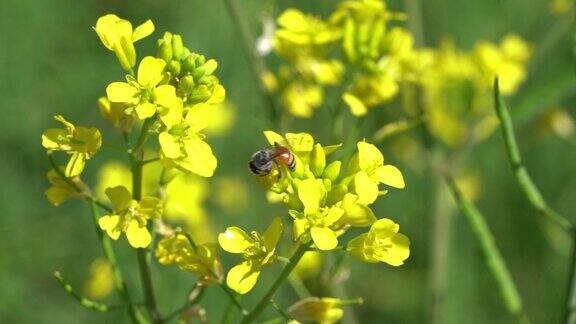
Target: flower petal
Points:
x,y
366,189
273,137
200,159
399,251
357,107
121,92
369,157
138,236
310,192
143,30
242,278
109,223
234,240
391,176
150,71
324,238
169,145
273,234
145,110
119,196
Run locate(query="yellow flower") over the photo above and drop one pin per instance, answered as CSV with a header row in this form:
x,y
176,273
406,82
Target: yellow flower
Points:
x,y
233,204
145,95
382,243
298,29
257,250
370,90
309,265
317,310
60,189
200,259
182,146
117,35
130,216
116,114
301,100
315,218
100,282
81,142
369,170
113,173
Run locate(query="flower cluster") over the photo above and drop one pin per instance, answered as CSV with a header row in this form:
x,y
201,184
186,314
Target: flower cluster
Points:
x,y
325,202
457,86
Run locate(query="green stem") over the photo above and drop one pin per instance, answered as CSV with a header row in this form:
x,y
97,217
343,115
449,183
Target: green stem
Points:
x,y
135,155
257,64
228,313
277,283
494,259
90,304
280,310
135,315
522,177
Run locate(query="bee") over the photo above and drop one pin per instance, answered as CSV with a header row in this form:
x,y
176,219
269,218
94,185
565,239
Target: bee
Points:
x,y
263,161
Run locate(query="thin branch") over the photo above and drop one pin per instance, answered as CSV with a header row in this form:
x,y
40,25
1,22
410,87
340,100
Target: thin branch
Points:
x,y
522,177
85,302
280,310
494,259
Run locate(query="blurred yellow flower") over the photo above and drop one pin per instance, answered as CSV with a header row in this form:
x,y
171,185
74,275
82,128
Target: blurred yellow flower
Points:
x,y
318,310
200,259
116,114
257,250
61,190
231,194
81,142
100,282
309,265
130,216
117,35
382,243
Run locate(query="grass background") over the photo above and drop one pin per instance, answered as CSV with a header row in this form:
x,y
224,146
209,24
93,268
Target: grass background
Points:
x,y
51,62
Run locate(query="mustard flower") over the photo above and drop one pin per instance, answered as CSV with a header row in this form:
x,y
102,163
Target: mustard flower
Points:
x,y
182,145
257,250
315,218
382,243
301,100
369,170
199,259
61,190
118,36
298,29
318,310
145,95
116,114
81,142
130,216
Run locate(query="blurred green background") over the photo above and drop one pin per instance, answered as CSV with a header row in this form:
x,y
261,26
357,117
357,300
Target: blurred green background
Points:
x,y
51,62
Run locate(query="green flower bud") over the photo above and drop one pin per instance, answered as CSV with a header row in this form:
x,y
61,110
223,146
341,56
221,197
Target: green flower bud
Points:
x,y
200,94
174,68
200,60
185,53
317,160
177,46
336,194
332,171
186,84
327,184
165,51
198,72
206,80
210,66
189,63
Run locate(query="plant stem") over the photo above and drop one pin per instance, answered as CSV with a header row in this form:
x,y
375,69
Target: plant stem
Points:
x,y
494,258
257,64
135,315
522,177
90,304
142,253
570,303
277,283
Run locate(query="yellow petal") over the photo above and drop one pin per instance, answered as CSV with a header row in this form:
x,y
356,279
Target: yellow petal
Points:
x,y
366,189
310,192
273,234
200,159
218,95
138,236
356,246
145,110
121,92
300,142
242,278
369,156
390,176
169,145
294,20
109,223
143,30
234,240
150,71
357,107
75,165
119,196
324,238
334,214
385,228
399,251
273,137
356,214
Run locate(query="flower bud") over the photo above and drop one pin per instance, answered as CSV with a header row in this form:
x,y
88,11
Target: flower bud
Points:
x,y
200,94
317,160
200,60
332,171
165,51
177,46
198,72
336,194
314,309
189,63
174,67
186,84
210,66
